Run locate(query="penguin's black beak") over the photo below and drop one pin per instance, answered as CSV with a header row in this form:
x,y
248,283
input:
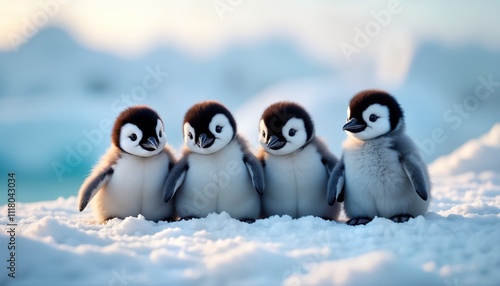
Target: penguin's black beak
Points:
x,y
150,145
204,141
353,126
274,143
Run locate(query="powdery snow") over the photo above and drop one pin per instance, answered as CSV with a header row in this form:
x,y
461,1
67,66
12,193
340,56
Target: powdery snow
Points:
x,y
456,243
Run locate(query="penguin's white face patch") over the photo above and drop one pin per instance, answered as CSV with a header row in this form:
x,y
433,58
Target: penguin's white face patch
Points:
x,y
189,136
162,137
377,121
220,129
131,137
295,134
263,131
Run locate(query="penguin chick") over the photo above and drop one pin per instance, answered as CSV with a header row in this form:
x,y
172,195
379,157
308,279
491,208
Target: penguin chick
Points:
x,y
217,172
129,178
381,172
297,164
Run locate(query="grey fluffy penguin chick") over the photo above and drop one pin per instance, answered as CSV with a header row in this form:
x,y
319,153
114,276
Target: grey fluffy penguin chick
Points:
x,y
381,172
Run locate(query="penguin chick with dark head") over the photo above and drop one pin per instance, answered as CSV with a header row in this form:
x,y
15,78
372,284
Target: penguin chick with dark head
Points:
x,y
217,172
129,178
381,172
297,164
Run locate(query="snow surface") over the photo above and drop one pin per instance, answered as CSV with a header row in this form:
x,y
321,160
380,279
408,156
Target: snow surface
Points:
x,y
456,243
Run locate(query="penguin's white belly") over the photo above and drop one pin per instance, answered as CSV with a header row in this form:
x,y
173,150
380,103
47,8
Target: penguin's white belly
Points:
x,y
216,183
296,185
135,188
377,185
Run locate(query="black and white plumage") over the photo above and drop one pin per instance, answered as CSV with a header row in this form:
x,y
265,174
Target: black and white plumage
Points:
x,y
297,164
129,178
381,172
217,171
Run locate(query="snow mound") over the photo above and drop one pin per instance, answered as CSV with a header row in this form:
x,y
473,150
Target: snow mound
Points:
x,y
456,243
477,155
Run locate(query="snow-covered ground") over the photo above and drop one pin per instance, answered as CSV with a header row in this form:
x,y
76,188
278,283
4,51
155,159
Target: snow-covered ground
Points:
x,y
456,243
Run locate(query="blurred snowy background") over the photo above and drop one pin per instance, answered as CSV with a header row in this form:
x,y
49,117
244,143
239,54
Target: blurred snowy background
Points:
x,y
67,68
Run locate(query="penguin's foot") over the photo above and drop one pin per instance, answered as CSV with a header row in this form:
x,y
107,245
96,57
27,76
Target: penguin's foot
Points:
x,y
401,218
248,220
358,221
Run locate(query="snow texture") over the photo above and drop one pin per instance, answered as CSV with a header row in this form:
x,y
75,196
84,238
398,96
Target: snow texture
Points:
x,y
456,243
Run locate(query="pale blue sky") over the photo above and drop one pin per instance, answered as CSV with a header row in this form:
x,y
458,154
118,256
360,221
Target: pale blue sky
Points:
x,y
202,27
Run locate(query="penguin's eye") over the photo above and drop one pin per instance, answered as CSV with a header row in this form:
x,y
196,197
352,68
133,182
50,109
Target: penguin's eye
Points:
x,y
159,134
264,134
190,135
133,137
218,129
292,132
373,118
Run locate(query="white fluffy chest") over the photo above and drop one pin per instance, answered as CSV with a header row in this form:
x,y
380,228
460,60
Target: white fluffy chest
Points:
x,y
218,182
135,188
224,169
372,165
299,172
135,175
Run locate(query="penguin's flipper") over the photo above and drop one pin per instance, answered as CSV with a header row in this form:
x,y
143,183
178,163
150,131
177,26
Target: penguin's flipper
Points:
x,y
417,173
256,171
92,185
335,189
327,158
175,179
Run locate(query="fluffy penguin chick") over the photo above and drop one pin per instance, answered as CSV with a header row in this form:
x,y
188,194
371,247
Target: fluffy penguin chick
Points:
x,y
129,178
297,164
217,171
381,172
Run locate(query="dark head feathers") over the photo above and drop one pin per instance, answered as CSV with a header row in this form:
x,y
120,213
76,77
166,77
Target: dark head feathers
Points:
x,y
144,117
200,115
361,101
278,114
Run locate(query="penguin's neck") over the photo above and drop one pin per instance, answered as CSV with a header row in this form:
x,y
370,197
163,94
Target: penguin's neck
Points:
x,y
381,141
220,152
305,145
135,157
